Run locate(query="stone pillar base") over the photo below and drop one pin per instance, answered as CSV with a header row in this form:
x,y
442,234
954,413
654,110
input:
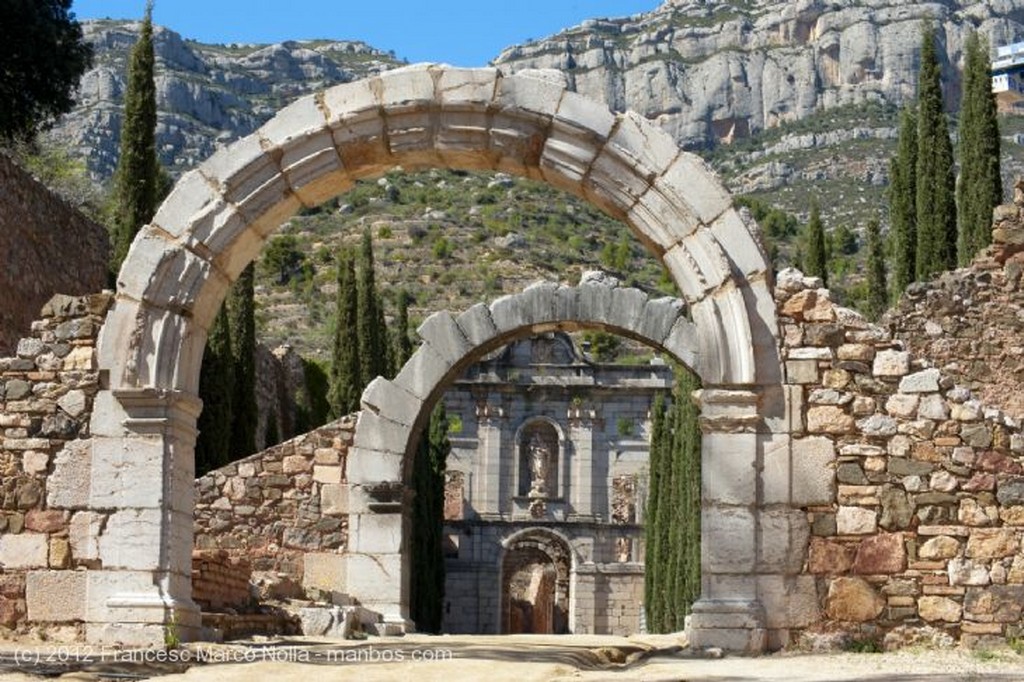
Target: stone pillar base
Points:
x,y
735,626
146,620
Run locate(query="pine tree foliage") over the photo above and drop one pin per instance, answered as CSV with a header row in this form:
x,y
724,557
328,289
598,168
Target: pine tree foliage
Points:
x,y
980,188
44,55
816,258
877,289
672,519
216,388
242,317
137,178
426,590
345,386
903,203
372,337
935,199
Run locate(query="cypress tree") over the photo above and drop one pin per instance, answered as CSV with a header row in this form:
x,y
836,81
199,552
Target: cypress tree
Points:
x,y
403,344
816,259
877,294
686,509
216,388
136,178
426,593
654,598
242,316
902,203
368,322
980,187
935,206
345,387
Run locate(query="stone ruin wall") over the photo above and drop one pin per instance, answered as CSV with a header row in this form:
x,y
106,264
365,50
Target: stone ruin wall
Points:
x,y
46,395
37,230
970,322
273,507
913,489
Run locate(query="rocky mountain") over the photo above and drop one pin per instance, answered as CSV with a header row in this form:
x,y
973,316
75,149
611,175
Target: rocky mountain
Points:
x,y
207,95
786,99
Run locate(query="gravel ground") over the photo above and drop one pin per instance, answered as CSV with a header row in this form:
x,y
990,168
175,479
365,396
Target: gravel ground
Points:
x,y
511,659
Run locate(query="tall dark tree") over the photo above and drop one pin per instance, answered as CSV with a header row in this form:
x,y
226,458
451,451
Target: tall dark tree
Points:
x,y
371,334
403,344
935,199
137,178
877,290
345,386
43,57
655,567
980,187
686,507
903,203
242,318
216,388
426,591
816,257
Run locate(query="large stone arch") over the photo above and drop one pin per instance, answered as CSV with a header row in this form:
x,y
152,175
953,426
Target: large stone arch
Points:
x,y
218,217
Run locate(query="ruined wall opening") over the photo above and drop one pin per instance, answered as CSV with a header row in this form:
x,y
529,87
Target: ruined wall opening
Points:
x,y
218,218
536,577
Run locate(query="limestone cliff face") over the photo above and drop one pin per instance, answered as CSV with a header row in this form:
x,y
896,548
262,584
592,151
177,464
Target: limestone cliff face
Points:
x,y
206,94
711,71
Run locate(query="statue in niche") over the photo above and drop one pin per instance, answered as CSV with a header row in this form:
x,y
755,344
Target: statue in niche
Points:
x,y
540,461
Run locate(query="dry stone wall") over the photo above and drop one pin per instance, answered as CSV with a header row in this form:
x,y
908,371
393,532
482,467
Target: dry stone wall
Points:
x,y
46,396
37,230
914,489
273,507
970,322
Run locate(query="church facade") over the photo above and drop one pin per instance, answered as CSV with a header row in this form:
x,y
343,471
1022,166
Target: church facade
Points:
x,y
545,488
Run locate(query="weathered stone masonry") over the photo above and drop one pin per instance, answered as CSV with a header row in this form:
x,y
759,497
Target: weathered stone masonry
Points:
x,y
913,490
46,397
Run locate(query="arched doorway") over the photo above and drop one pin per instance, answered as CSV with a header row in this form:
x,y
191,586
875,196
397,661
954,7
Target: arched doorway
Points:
x,y
535,583
217,220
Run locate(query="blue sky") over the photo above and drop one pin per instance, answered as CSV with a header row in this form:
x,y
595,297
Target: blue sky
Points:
x,y
459,32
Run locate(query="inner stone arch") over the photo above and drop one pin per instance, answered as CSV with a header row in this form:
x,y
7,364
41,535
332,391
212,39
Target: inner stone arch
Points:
x,y
219,216
536,583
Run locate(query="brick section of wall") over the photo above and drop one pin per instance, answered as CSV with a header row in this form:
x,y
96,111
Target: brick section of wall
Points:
x,y
913,490
276,505
46,247
46,394
970,322
220,581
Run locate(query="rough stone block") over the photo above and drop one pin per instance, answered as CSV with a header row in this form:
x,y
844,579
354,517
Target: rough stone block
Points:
x,y
891,363
55,596
324,571
24,550
992,543
856,521
84,533
882,553
789,601
813,465
925,381
326,474
933,608
853,600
